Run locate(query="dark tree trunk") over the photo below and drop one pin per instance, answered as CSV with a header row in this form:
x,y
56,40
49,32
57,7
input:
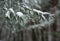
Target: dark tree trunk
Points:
x,y
53,4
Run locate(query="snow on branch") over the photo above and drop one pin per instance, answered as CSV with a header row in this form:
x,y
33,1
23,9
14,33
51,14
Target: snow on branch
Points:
x,y
20,14
8,11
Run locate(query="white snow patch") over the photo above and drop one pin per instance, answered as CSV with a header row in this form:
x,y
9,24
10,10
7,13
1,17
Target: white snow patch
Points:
x,y
20,14
36,1
11,9
7,14
38,11
26,6
46,13
5,8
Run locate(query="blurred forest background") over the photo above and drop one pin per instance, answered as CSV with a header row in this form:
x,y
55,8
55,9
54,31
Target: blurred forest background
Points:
x,y
29,20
